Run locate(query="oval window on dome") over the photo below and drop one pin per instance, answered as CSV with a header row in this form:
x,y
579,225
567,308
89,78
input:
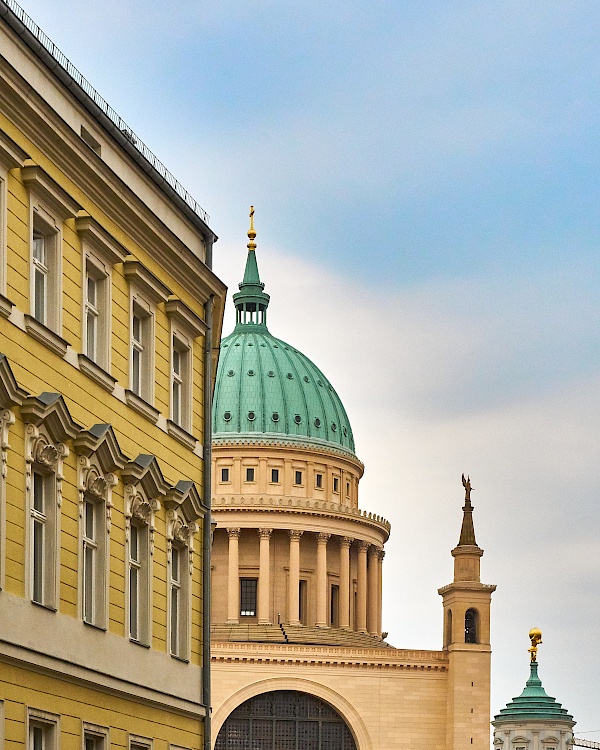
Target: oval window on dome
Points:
x,y
320,383
251,416
345,432
289,376
227,416
250,343
333,427
271,374
297,419
230,373
305,378
225,345
317,422
251,372
275,417
275,346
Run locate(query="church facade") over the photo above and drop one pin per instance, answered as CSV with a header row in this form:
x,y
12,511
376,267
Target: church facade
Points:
x,y
299,657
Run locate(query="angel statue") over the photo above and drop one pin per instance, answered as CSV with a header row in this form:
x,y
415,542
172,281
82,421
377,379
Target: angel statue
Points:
x,y
467,485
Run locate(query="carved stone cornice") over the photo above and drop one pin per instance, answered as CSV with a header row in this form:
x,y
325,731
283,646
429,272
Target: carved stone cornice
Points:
x,y
299,505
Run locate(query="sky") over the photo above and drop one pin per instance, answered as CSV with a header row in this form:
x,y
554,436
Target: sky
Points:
x,y
425,177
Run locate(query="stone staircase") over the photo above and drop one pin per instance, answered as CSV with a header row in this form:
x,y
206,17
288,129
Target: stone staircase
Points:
x,y
300,634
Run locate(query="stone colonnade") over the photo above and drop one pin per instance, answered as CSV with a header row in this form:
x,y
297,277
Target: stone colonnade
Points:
x,y
368,590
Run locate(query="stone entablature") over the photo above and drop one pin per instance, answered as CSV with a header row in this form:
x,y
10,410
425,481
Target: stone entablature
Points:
x,y
314,507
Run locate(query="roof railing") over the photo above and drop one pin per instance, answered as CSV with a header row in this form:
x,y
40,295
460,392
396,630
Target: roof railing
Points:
x,y
103,105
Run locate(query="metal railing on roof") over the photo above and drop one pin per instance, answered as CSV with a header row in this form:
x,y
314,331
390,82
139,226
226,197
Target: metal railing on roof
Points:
x,y
103,105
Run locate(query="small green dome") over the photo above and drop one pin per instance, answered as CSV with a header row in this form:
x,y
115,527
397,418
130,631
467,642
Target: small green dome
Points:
x,y
266,389
533,704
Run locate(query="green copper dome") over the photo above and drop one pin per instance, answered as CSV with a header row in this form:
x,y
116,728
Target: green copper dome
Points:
x,y
533,703
268,390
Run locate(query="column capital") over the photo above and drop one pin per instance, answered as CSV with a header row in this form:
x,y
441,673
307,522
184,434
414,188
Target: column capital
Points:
x,y
363,546
233,533
264,533
374,551
322,538
381,554
346,541
295,534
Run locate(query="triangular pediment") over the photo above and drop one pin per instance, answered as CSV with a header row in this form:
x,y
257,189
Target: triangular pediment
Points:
x,y
11,394
185,497
51,410
145,471
101,440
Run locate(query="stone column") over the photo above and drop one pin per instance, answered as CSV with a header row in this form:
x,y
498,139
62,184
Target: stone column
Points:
x,y
322,580
379,616
345,544
361,594
373,591
294,578
264,577
233,578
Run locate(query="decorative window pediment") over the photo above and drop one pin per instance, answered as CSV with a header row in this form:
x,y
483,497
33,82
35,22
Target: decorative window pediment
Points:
x,y
185,317
11,155
51,410
149,284
99,456
99,239
144,486
11,394
184,507
50,192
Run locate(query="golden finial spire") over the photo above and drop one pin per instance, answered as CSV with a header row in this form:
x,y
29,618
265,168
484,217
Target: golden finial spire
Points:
x,y
535,634
251,232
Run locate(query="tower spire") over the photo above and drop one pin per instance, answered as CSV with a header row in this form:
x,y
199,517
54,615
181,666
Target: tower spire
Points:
x,y
467,531
251,302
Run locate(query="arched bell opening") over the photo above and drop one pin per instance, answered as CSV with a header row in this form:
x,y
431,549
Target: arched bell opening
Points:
x,y
471,626
285,719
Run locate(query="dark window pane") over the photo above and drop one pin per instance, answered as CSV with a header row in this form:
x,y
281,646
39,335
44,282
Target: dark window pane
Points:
x,y
248,596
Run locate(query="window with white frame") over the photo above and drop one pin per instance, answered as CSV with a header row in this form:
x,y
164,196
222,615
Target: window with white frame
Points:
x,y
45,270
181,376
94,551
175,600
94,737
96,313
138,594
142,333
42,730
139,743
43,536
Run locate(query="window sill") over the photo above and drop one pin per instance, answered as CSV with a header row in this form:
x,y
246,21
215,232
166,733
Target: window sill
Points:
x,y
96,627
49,607
141,407
181,435
96,373
45,336
6,306
180,658
139,643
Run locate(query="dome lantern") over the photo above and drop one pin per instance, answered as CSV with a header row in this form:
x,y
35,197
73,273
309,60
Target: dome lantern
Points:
x,y
251,302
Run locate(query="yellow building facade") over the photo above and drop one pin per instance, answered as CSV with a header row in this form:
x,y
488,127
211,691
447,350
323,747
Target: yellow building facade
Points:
x,y
299,656
109,328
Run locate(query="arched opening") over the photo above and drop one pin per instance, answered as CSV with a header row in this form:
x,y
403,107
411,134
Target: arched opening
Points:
x,y
448,634
471,626
285,719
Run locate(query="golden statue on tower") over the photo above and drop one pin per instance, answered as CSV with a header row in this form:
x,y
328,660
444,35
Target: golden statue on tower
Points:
x,y
535,634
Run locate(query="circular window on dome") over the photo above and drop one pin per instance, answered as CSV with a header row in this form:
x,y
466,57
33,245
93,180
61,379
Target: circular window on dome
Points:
x,y
251,416
297,419
271,374
305,378
227,416
289,376
263,345
317,422
251,372
275,346
345,432
230,374
333,427
225,345
286,348
238,343
250,343
320,383
275,417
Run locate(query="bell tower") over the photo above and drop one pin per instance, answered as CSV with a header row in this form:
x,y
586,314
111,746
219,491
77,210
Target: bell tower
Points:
x,y
466,603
